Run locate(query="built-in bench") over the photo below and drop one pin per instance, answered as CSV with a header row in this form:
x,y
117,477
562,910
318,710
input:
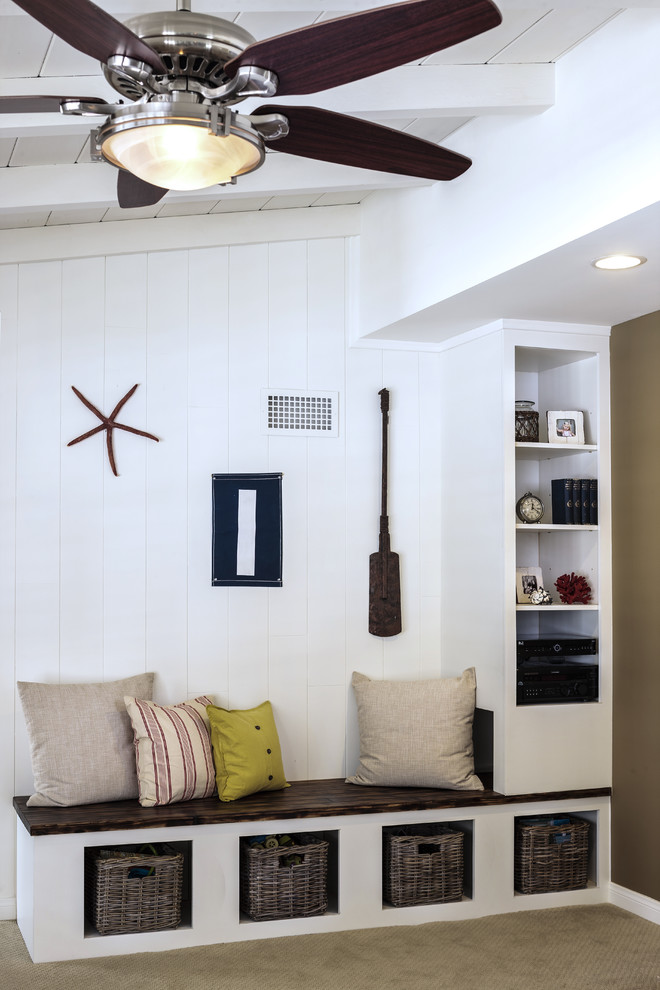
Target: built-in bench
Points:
x,y
302,799
52,843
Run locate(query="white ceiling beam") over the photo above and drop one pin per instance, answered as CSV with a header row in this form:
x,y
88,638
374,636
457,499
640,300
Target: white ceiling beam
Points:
x,y
33,188
406,92
442,91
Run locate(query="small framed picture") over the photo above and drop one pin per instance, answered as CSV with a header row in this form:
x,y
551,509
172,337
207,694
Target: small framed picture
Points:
x,y
565,426
528,579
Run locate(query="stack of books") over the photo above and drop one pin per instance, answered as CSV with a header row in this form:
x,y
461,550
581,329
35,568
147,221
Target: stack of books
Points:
x,y
575,501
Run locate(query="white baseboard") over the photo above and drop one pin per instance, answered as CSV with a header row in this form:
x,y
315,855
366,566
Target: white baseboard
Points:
x,y
7,909
636,903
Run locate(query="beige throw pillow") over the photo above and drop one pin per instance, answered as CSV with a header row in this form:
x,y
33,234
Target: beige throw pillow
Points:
x,y
173,750
81,740
416,733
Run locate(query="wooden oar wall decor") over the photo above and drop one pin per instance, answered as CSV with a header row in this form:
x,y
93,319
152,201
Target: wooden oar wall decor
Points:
x,y
384,583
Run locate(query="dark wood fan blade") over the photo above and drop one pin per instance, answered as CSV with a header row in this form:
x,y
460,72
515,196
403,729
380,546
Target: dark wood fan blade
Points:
x,y
132,192
41,104
335,137
332,53
91,30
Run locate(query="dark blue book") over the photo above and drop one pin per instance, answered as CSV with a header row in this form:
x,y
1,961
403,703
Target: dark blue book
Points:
x,y
593,503
562,500
585,501
577,502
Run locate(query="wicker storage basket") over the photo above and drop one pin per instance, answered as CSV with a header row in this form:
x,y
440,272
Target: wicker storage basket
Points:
x,y
270,888
550,856
132,892
422,864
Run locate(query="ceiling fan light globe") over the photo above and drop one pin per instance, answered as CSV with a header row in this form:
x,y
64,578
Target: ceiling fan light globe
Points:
x,y
181,156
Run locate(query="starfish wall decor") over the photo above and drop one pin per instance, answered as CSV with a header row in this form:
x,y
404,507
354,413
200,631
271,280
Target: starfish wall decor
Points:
x,y
108,423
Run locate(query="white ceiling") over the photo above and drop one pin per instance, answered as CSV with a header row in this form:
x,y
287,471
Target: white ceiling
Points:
x,y
561,286
46,178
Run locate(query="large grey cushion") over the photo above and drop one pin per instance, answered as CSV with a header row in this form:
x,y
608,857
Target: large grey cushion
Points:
x,y
416,733
81,740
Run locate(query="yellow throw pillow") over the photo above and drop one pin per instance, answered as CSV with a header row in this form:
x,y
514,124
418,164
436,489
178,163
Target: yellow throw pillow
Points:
x,y
246,751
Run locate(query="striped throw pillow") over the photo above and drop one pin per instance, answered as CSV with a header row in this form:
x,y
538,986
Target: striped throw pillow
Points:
x,y
173,750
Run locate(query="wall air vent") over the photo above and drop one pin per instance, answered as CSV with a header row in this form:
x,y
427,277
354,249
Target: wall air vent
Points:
x,y
291,412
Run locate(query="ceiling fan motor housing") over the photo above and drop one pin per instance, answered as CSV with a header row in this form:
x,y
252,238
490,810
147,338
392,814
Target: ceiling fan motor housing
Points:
x,y
192,45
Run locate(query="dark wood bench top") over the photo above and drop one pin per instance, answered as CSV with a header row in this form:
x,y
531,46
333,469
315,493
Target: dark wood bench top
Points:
x,y
303,799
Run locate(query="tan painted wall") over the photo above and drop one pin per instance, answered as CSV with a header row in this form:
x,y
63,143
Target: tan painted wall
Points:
x,y
636,613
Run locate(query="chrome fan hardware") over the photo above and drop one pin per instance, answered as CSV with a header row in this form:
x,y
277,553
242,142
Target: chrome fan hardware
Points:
x,y
180,73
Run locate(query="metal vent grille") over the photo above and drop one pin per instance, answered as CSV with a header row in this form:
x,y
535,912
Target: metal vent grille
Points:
x,y
290,412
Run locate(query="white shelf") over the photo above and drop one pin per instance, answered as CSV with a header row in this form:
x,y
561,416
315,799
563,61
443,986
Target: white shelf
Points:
x,y
554,527
557,608
544,451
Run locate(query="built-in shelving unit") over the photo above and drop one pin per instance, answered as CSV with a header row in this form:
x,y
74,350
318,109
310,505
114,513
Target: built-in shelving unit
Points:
x,y
565,742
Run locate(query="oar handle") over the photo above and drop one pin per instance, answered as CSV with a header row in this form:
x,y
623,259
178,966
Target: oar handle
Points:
x,y
384,408
384,542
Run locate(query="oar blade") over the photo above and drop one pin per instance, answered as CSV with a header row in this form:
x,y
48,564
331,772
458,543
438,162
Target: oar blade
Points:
x,y
384,594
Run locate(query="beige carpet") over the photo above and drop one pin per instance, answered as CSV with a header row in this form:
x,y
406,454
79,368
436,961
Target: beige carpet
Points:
x,y
580,948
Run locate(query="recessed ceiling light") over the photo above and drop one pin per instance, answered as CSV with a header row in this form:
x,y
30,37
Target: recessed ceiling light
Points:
x,y
616,262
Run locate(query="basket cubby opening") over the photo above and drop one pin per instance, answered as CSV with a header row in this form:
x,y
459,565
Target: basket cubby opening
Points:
x,y
299,880
429,863
559,858
115,908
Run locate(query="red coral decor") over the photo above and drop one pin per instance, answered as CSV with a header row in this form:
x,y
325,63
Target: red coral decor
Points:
x,y
573,589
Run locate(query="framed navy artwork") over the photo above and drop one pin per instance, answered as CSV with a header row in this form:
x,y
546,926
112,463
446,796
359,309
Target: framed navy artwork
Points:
x,y
247,530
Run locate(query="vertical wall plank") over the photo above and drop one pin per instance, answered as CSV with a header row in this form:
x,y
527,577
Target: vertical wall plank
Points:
x,y
287,315
248,451
208,453
287,369
124,521
248,356
430,493
81,565
38,473
327,470
167,465
287,691
327,731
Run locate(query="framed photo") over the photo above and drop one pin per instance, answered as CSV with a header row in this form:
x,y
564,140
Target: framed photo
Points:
x,y
565,426
528,579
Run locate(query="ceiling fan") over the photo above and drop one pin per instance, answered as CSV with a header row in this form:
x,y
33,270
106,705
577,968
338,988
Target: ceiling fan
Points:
x,y
179,74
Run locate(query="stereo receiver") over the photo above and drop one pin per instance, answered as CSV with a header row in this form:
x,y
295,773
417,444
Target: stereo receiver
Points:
x,y
541,682
560,646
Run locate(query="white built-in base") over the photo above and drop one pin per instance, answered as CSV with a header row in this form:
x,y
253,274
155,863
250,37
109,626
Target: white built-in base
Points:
x,y
51,890
630,900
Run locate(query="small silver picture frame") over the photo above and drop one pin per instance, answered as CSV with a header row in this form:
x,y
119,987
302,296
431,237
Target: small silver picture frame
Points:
x,y
528,579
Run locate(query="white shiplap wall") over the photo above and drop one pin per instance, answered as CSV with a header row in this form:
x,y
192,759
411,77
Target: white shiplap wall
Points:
x,y
102,577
